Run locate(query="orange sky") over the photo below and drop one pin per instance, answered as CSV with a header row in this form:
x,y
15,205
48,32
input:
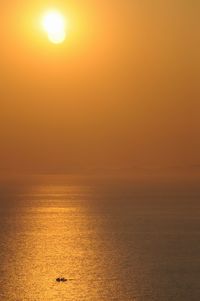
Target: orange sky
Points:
x,y
122,91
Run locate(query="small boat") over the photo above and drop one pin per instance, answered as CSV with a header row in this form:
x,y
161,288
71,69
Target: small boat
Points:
x,y
61,279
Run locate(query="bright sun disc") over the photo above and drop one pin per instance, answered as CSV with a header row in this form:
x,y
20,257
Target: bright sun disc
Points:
x,y
54,25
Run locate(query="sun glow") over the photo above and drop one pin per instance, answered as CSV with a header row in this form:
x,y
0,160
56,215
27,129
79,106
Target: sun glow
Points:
x,y
55,26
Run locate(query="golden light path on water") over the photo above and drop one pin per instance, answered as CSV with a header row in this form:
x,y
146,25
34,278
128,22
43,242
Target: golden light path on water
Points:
x,y
110,240
58,234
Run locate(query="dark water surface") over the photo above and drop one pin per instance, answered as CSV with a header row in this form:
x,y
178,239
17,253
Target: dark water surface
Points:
x,y
113,241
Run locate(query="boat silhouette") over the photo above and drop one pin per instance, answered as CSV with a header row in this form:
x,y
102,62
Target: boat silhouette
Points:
x,y
61,279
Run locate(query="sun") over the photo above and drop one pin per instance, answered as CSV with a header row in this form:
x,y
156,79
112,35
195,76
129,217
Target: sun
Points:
x,y
54,25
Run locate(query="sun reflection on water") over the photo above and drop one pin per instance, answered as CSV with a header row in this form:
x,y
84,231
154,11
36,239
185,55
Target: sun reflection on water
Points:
x,y
55,236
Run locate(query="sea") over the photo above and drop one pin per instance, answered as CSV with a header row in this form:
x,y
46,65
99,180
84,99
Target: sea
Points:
x,y
112,239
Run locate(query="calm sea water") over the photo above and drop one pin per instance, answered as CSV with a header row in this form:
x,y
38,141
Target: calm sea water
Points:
x,y
113,241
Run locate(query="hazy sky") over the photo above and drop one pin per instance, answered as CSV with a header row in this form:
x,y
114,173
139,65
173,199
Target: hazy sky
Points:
x,y
122,91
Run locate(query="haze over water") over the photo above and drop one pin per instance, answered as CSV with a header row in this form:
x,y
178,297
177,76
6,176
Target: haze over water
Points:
x,y
115,240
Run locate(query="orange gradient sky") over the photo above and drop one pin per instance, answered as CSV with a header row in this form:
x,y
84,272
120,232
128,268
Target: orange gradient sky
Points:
x,y
121,91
